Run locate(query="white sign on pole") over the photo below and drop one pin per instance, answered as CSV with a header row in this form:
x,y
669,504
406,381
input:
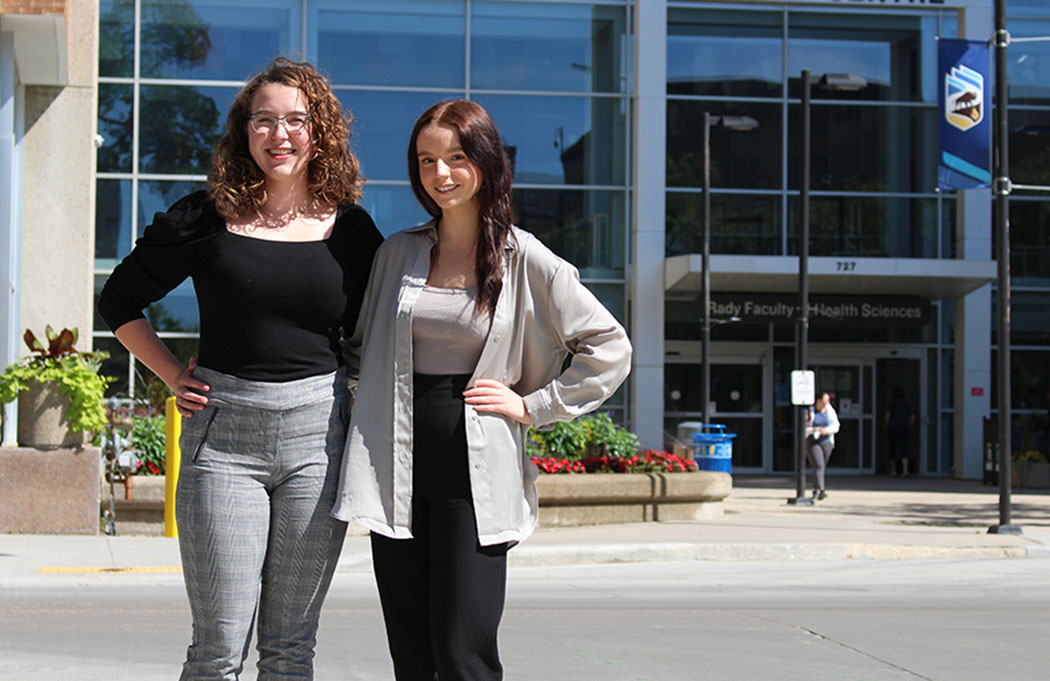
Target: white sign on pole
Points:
x,y
803,388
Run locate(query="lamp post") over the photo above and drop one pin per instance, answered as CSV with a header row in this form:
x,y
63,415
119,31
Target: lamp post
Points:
x,y
705,279
802,360
842,82
1001,188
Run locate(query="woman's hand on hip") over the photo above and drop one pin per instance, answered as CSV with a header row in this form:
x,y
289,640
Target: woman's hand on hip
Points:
x,y
188,397
489,395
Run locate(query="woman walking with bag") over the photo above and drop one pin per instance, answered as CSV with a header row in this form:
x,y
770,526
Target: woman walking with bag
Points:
x,y
279,254
821,425
465,328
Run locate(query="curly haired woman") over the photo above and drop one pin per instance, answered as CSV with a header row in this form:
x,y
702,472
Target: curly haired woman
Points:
x,y
279,254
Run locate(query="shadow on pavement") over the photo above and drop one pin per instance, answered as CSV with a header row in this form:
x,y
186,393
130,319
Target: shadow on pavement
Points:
x,y
882,483
914,500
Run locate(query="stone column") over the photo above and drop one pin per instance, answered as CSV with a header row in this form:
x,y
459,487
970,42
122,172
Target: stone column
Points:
x,y
58,190
973,312
647,222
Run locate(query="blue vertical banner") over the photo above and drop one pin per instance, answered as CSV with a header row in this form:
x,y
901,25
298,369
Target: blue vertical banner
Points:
x,y
965,149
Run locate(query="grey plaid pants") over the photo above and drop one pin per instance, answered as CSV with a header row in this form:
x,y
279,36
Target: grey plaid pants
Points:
x,y
259,474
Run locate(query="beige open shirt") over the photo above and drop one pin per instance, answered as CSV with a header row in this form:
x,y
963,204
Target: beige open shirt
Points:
x,y
542,313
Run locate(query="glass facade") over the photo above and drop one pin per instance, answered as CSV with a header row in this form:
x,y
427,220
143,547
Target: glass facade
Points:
x,y
872,195
873,146
554,75
559,79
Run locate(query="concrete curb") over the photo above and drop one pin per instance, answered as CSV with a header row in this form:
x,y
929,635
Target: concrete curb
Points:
x,y
604,554
1038,552
539,556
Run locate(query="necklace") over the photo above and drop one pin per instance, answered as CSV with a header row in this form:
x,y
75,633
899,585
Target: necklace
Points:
x,y
280,221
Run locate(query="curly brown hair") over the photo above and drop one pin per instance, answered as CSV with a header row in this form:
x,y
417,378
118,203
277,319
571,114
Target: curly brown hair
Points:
x,y
237,184
481,143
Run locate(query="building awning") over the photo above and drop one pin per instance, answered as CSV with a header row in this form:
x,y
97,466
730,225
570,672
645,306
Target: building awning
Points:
x,y
933,279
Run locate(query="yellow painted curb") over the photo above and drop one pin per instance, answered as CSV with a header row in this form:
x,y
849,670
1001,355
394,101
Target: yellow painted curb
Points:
x,y
50,570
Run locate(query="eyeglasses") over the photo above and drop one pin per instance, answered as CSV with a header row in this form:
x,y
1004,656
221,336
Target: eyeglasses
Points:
x,y
293,122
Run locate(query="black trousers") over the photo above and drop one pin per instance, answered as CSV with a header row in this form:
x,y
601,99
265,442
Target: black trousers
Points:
x,y
442,593
897,445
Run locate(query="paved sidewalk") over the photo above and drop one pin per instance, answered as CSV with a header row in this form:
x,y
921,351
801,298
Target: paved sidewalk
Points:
x,y
862,518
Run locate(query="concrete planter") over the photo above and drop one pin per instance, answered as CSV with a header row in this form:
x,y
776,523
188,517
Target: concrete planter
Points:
x,y
1030,475
42,422
50,491
596,498
565,500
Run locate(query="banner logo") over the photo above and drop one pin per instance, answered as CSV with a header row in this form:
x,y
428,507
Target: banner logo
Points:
x,y
964,97
964,131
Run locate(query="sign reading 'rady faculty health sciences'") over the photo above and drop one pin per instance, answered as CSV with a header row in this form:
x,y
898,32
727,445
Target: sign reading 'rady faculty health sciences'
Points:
x,y
772,307
965,125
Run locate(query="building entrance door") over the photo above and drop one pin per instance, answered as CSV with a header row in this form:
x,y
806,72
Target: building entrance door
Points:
x,y
750,394
736,401
848,380
892,374
846,385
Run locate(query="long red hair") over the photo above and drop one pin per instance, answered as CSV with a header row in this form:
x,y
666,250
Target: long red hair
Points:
x,y
480,140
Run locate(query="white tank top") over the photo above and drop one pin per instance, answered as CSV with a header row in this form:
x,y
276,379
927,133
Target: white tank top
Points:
x,y
447,335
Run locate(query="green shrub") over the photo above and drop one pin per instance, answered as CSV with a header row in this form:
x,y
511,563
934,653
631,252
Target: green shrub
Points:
x,y
605,438
590,436
149,438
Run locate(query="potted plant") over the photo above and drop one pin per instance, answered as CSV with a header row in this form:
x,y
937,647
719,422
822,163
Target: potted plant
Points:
x,y
60,391
1030,469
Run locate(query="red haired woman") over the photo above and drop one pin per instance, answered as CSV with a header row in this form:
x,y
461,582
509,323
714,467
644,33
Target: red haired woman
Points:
x,y
465,329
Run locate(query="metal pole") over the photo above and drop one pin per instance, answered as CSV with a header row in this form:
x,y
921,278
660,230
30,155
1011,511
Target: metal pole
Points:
x,y
1001,188
803,291
705,293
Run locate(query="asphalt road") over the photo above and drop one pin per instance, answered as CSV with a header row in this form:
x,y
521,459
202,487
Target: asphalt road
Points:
x,y
943,620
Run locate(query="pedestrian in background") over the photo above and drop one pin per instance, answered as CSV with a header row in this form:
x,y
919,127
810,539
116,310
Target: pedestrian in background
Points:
x,y
821,425
279,253
898,420
463,336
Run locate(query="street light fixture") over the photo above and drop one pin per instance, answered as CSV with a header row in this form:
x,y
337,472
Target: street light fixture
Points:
x,y
843,82
740,124
735,123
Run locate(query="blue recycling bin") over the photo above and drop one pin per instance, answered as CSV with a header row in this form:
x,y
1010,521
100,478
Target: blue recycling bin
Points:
x,y
713,448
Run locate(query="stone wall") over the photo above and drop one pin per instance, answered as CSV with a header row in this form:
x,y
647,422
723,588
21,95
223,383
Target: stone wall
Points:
x,y
50,492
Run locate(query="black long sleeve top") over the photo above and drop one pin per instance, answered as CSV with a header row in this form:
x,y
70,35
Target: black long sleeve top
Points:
x,y
269,310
